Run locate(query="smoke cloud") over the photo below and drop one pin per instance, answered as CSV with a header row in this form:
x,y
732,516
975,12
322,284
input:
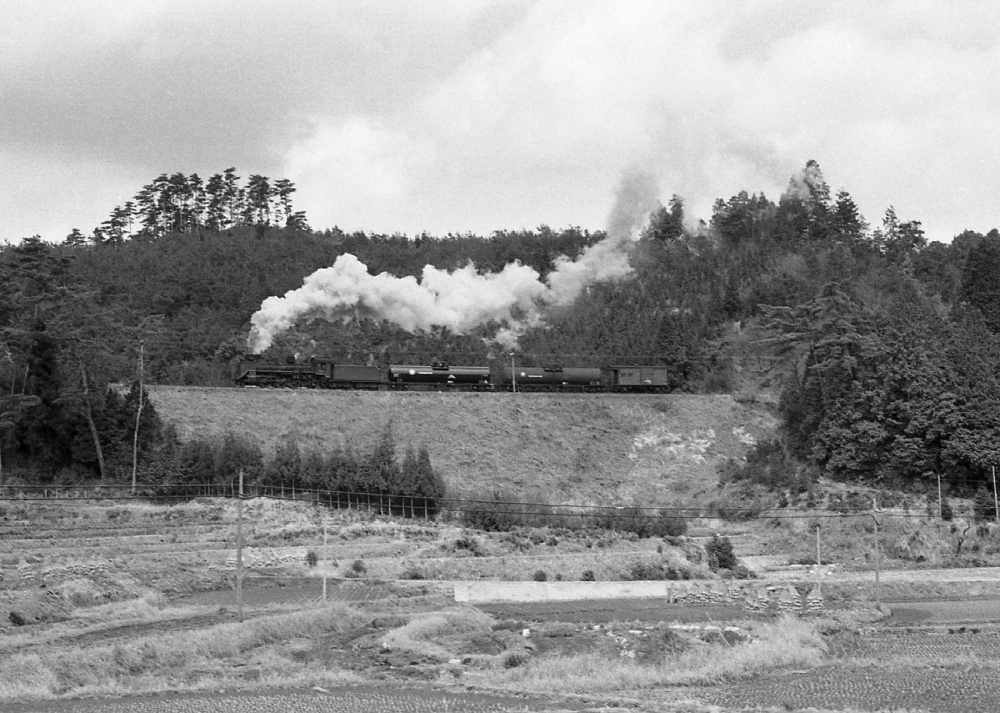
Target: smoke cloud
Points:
x,y
463,299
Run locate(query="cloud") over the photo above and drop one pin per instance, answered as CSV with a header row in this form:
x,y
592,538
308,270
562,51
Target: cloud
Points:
x,y
456,116
714,98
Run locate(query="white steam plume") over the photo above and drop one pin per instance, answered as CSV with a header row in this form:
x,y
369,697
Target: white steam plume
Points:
x,y
463,299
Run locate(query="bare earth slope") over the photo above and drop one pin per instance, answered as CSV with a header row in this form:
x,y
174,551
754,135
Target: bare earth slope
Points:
x,y
579,448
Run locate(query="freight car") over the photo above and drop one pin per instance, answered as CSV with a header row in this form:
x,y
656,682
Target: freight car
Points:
x,y
640,379
324,373
413,377
551,378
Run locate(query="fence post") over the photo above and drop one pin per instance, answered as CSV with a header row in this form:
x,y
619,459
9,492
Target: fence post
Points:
x,y
326,558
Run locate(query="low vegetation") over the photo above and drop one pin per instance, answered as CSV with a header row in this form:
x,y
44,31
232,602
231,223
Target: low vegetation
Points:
x,y
210,657
787,642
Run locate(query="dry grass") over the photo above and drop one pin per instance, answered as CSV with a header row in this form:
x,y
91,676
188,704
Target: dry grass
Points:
x,y
787,642
182,661
427,634
562,448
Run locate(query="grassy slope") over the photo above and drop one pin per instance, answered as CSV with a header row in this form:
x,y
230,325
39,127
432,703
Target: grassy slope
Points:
x,y
579,448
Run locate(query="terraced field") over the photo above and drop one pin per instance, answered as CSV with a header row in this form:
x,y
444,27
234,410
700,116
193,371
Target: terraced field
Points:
x,y
63,563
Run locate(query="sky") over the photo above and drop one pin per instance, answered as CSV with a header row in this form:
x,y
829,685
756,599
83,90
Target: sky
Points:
x,y
473,115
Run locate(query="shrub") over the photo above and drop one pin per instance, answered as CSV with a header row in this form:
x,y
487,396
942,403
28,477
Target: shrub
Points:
x,y
666,525
540,576
646,571
738,572
983,505
17,619
311,558
588,576
358,567
413,573
514,659
947,513
470,544
492,515
720,554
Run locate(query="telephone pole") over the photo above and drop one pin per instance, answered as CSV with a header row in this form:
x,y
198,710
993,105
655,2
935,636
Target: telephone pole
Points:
x,y
138,415
239,551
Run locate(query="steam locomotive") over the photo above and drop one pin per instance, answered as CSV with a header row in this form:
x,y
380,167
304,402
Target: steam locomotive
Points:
x,y
324,373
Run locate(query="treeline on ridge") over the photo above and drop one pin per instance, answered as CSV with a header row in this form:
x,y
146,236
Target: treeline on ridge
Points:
x,y
882,346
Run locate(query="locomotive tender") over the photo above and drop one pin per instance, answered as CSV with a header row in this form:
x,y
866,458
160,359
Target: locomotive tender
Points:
x,y
324,373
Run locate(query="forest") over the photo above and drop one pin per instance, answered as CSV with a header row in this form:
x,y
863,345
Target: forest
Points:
x,y
883,349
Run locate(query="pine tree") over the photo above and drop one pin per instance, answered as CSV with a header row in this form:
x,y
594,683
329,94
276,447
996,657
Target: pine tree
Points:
x,y
431,486
285,469
383,470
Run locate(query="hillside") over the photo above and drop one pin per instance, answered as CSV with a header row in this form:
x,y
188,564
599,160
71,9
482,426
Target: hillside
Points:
x,y
580,448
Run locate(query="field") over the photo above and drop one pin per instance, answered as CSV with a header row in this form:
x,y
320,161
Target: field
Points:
x,y
352,610
109,597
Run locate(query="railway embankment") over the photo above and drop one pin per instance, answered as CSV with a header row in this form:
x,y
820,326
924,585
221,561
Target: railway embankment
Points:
x,y
562,448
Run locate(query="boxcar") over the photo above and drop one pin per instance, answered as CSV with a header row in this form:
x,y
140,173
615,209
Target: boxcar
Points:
x,y
651,379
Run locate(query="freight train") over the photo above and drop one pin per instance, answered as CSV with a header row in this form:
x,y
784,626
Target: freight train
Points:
x,y
324,373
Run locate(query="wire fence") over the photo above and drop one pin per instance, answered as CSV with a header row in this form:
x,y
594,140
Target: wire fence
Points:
x,y
483,511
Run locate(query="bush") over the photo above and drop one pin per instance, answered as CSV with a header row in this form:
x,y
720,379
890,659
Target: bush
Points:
x,y
17,619
666,525
311,558
413,573
738,572
540,576
947,513
720,554
984,507
492,515
358,567
515,659
767,464
588,576
646,571
744,501
470,544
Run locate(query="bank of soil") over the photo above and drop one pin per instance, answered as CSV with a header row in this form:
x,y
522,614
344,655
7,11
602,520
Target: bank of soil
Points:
x,y
578,448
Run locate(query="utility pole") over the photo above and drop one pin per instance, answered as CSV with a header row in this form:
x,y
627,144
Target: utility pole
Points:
x,y
875,514
138,415
513,376
239,551
819,579
996,505
941,500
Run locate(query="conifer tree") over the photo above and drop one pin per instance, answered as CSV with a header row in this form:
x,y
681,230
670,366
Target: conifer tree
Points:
x,y
383,470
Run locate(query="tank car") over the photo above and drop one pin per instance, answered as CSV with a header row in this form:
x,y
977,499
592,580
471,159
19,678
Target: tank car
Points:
x,y
434,376
550,378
